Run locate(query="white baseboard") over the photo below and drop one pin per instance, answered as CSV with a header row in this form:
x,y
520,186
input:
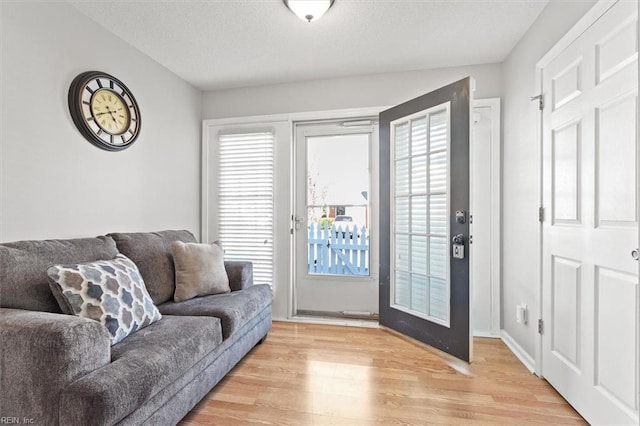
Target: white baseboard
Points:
x,y
517,350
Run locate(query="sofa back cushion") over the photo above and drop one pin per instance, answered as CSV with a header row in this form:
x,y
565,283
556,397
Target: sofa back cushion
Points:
x,y
151,252
24,264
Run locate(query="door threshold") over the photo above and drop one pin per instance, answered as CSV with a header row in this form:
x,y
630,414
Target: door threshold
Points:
x,y
328,320
357,315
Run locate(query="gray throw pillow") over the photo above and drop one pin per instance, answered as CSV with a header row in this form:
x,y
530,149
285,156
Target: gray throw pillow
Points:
x,y
199,270
151,252
111,292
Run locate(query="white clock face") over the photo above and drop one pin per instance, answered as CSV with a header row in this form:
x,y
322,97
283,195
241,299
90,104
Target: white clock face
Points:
x,y
104,110
110,112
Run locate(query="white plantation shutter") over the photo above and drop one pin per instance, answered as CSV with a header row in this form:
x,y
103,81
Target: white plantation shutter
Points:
x,y
420,185
245,199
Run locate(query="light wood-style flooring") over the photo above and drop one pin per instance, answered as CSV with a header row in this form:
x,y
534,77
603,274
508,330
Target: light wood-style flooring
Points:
x,y
309,374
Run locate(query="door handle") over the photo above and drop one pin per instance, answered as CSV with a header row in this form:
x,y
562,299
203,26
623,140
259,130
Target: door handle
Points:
x,y
635,254
298,222
458,239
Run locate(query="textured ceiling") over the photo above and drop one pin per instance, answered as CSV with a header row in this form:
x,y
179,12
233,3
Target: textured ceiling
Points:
x,y
217,44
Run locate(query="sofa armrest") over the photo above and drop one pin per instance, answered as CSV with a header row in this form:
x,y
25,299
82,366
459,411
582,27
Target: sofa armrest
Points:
x,y
40,354
240,274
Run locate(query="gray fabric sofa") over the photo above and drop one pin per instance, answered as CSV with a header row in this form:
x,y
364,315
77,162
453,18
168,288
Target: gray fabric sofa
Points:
x,y
58,369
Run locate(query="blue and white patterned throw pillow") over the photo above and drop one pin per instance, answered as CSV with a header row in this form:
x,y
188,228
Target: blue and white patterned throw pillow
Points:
x,y
109,291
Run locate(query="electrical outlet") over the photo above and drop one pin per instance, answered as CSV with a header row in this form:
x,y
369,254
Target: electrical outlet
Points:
x,y
522,313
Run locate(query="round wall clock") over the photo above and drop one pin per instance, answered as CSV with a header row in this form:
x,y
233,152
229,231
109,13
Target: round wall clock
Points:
x,y
104,110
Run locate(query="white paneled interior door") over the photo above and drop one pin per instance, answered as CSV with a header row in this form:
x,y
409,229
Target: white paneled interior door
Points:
x,y
590,279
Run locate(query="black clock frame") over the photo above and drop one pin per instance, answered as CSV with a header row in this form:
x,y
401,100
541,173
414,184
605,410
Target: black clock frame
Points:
x,y
75,108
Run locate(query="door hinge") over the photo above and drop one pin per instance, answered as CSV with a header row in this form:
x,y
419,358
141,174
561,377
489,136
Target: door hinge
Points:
x,y
540,324
541,214
540,99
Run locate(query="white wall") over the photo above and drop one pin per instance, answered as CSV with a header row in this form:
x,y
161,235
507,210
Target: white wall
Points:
x,y
349,92
521,177
54,183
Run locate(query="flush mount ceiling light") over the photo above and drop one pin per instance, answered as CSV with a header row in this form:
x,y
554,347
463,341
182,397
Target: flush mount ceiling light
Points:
x,y
309,10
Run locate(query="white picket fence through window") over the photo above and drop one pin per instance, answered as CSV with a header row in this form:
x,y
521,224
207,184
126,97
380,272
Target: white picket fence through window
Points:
x,y
338,250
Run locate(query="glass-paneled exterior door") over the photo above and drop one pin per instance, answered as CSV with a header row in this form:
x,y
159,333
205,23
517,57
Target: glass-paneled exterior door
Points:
x,y
424,218
335,219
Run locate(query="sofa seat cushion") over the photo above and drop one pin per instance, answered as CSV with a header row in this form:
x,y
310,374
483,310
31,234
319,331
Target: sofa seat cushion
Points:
x,y
234,309
23,268
151,251
141,366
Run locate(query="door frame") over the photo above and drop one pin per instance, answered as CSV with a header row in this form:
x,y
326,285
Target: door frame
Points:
x,y
284,302
572,35
496,212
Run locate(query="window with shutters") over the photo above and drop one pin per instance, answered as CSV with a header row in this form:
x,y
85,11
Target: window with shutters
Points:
x,y
245,205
